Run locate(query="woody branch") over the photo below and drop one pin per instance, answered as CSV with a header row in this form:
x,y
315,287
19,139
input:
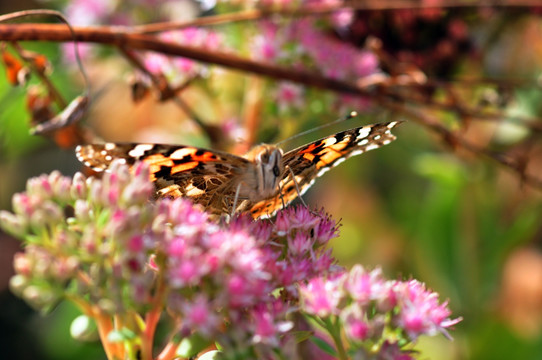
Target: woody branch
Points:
x,y
382,93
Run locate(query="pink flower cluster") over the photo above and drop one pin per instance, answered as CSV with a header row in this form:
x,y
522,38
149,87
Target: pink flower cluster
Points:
x,y
236,268
303,44
102,242
94,12
116,245
175,68
297,241
213,272
370,307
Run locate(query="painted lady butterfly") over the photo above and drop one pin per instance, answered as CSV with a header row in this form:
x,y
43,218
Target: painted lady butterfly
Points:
x,y
260,182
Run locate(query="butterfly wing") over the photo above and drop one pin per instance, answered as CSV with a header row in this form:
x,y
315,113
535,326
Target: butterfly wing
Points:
x,y
304,164
207,177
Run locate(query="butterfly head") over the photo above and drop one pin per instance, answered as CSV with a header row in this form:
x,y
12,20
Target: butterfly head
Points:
x,y
269,168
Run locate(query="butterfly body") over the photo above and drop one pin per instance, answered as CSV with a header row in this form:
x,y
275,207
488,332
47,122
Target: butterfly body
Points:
x,y
260,182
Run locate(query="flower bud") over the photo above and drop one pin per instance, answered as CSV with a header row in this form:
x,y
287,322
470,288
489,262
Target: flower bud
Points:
x,y
22,264
52,179
60,186
141,171
12,224
17,284
89,240
82,210
54,213
22,204
83,328
95,193
64,269
79,186
39,297
107,306
282,223
38,219
121,171
39,187
137,193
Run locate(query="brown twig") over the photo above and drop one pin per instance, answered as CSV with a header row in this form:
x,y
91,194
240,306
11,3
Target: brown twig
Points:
x,y
323,9
531,123
112,36
436,126
384,96
167,93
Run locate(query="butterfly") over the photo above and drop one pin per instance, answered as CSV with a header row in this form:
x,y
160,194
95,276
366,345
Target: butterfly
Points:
x,y
261,182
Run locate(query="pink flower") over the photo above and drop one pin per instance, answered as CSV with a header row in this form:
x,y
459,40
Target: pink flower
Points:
x,y
156,63
135,244
185,273
364,286
290,95
299,244
343,18
199,315
355,324
88,12
420,312
268,322
177,247
321,296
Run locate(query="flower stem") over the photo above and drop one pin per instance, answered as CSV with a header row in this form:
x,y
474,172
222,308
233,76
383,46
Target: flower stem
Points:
x,y
105,326
334,329
151,321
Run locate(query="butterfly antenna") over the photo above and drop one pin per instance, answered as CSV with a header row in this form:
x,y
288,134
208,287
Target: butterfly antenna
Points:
x,y
352,114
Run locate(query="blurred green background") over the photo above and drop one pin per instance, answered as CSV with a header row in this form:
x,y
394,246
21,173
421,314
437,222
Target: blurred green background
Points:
x,y
467,227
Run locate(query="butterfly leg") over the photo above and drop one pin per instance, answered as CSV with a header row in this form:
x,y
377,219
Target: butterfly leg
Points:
x,y
296,188
281,197
234,207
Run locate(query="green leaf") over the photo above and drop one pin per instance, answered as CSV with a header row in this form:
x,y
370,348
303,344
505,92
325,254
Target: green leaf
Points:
x,y
103,218
324,346
192,345
301,336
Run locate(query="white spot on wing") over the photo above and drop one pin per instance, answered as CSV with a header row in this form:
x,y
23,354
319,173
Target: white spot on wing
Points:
x,y
363,132
139,150
363,142
322,171
357,152
181,153
305,188
340,160
191,190
110,146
